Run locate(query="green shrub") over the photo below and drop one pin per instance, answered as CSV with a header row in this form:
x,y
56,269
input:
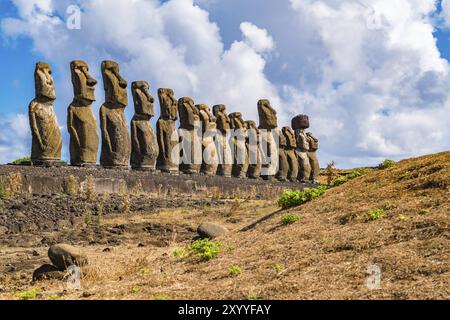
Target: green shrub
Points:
x,y
376,214
278,267
350,176
235,270
386,164
205,249
28,295
22,161
162,298
292,198
289,219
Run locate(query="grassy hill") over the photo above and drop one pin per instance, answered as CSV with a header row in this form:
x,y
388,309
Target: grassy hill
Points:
x,y
397,219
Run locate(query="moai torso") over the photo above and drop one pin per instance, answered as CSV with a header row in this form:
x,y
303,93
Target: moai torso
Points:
x,y
313,158
81,122
283,164
46,135
240,163
166,132
300,124
268,122
143,139
116,141
223,144
209,149
291,146
254,152
190,135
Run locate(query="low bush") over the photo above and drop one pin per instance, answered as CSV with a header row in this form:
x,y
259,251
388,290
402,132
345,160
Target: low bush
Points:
x,y
291,198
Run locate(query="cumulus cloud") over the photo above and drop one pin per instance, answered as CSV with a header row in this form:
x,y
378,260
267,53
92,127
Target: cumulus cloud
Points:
x,y
368,72
15,137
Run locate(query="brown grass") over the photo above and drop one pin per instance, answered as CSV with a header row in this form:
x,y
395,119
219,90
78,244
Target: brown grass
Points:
x,y
325,255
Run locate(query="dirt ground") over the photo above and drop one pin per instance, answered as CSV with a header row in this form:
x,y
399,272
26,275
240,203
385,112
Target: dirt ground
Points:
x,y
330,253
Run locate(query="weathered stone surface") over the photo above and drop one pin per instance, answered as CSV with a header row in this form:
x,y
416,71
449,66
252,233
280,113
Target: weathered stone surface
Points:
x,y
267,115
268,122
211,230
254,152
283,164
304,173
291,146
190,135
48,272
223,145
116,141
81,123
63,256
209,148
166,132
300,122
240,159
313,158
143,139
46,136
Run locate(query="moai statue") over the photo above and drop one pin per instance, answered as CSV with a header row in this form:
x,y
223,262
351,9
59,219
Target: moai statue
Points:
x,y
283,164
254,152
116,141
143,139
81,121
268,123
223,145
209,149
240,156
300,124
47,139
166,132
190,135
313,159
291,146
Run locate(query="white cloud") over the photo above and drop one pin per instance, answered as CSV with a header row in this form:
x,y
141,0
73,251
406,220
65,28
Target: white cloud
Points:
x,y
15,137
367,71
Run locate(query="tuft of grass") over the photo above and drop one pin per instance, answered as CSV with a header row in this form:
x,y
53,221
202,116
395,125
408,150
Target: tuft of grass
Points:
x,y
28,295
375,214
289,219
278,267
291,198
386,164
234,270
162,298
72,186
90,192
135,289
22,161
424,211
205,249
402,217
350,176
88,217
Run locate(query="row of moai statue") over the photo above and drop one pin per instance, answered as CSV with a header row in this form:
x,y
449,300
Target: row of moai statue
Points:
x,y
147,151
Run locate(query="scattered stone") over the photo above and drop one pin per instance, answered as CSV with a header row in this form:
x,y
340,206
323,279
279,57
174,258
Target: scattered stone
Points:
x,y
48,272
3,230
141,245
63,256
35,253
107,250
211,230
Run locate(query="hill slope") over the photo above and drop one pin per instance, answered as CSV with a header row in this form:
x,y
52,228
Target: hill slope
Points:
x,y
327,253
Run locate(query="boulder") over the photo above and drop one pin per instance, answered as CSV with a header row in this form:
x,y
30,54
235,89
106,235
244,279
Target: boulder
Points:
x,y
211,230
63,256
48,272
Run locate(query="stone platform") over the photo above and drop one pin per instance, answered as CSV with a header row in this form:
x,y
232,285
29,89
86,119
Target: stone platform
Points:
x,y
56,180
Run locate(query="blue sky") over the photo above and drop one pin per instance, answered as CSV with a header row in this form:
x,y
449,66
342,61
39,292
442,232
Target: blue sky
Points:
x,y
373,75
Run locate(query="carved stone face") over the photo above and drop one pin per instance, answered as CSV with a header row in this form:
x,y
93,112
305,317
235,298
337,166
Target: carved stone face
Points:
x,y
237,122
168,103
267,115
222,119
206,111
44,86
143,100
189,114
83,83
115,85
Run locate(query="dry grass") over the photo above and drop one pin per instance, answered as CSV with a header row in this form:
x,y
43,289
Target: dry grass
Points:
x,y
325,255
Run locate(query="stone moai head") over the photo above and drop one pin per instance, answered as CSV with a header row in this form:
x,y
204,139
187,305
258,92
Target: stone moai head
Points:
x,y
168,103
289,135
222,119
206,117
189,114
115,86
143,100
43,81
237,122
83,83
300,122
267,115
